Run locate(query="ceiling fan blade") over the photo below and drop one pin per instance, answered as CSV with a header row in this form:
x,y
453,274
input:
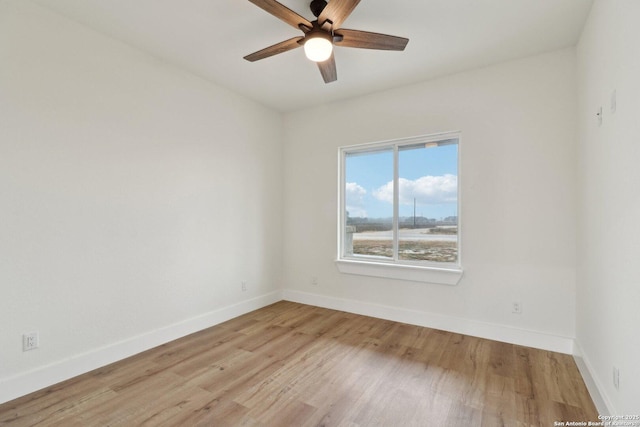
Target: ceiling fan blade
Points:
x,y
367,40
281,11
336,11
277,48
328,69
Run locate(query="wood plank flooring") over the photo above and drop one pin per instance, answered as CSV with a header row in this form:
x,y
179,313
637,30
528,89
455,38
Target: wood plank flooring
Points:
x,y
296,365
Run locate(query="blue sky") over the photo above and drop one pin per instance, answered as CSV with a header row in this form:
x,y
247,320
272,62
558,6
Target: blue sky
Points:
x,y
427,174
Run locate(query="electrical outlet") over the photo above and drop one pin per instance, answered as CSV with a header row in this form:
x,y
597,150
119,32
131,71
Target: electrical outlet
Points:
x,y
314,281
616,378
516,307
30,341
244,286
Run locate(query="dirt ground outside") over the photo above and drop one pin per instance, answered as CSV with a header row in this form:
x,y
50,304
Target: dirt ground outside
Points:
x,y
419,250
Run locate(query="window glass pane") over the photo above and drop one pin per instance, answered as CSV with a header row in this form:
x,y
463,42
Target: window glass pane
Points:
x,y
428,202
369,204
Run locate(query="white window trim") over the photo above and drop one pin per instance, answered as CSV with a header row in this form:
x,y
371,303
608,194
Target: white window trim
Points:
x,y
439,273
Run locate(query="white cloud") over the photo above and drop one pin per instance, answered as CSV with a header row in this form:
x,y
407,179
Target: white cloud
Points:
x,y
354,197
426,190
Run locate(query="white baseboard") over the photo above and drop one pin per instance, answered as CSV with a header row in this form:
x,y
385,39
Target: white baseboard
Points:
x,y
37,379
599,397
458,325
42,377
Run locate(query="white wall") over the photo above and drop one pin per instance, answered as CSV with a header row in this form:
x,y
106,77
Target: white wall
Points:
x,y
134,198
608,300
518,193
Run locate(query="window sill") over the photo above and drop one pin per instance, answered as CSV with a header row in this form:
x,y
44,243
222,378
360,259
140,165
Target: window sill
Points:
x,y
414,273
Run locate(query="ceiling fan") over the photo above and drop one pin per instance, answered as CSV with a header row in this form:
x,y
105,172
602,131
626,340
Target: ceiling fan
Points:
x,y
322,34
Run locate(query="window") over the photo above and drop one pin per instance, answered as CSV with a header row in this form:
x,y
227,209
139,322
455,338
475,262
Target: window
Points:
x,y
399,205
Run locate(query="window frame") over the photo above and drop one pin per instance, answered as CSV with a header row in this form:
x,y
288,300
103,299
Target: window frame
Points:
x,y
448,273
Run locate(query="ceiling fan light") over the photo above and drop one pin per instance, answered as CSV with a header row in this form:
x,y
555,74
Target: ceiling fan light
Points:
x,y
318,48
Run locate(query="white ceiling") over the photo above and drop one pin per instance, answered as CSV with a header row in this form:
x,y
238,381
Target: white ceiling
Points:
x,y
210,37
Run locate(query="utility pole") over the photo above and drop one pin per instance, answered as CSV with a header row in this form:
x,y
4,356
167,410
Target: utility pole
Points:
x,y
414,212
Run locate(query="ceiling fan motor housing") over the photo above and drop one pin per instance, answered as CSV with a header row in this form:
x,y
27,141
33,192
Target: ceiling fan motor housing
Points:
x,y
317,6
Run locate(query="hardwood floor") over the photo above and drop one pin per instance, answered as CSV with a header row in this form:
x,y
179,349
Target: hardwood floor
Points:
x,y
295,365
